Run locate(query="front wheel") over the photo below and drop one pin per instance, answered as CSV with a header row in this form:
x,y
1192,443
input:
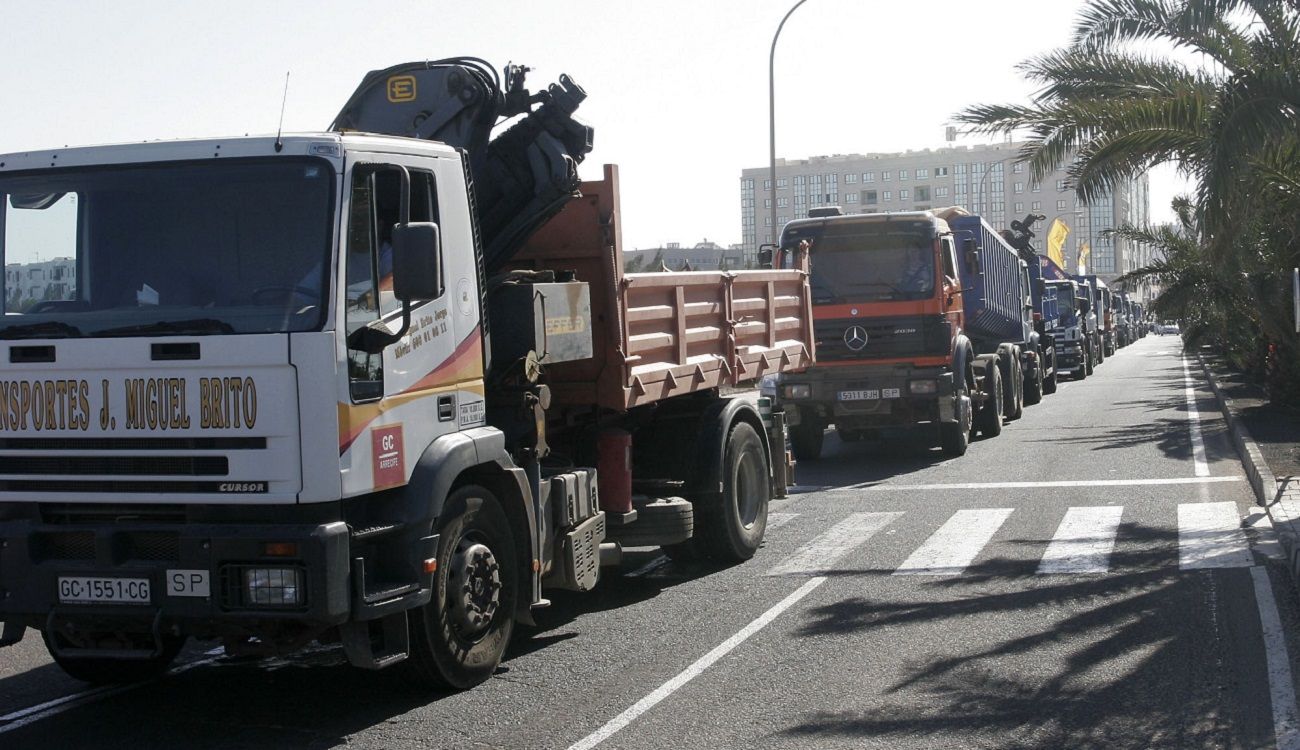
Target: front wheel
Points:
x,y
990,416
730,526
460,636
1034,388
954,437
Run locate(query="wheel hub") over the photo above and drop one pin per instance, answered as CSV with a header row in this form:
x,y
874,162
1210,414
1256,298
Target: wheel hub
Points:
x,y
474,587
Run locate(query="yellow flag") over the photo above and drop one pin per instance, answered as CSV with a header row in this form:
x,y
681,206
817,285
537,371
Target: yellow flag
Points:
x,y
1056,241
1084,252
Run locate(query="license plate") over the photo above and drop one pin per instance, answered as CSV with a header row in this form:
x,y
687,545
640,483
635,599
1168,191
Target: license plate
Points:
x,y
891,392
188,583
859,395
87,590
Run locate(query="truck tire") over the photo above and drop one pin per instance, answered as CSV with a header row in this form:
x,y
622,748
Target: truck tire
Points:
x,y
100,671
806,439
954,437
460,636
1088,364
1012,382
1049,384
1034,388
730,526
848,436
990,415
668,521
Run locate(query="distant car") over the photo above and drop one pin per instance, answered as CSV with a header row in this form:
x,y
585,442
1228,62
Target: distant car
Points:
x,y
1168,327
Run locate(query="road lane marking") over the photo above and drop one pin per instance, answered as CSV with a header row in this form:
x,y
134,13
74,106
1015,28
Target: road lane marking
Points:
x,y
704,662
31,714
822,552
776,520
1200,467
1036,485
1281,687
1083,542
951,549
1210,536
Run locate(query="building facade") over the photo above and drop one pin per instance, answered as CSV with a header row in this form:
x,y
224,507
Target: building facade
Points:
x,y
987,180
29,283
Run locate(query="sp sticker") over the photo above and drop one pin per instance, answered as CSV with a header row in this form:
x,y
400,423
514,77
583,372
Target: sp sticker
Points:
x,y
401,89
386,456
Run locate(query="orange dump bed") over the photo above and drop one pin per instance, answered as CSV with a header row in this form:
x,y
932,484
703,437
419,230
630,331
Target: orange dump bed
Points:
x,y
658,335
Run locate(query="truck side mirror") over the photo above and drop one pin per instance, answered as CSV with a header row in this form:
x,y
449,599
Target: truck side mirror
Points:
x,y
765,256
417,255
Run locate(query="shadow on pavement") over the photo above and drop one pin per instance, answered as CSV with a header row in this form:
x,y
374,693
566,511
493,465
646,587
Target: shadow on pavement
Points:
x,y
1074,661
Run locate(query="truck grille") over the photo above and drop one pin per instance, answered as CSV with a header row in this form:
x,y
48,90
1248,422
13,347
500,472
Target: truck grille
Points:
x,y
64,545
190,466
887,338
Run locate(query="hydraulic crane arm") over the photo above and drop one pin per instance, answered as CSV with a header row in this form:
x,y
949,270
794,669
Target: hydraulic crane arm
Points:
x,y
523,176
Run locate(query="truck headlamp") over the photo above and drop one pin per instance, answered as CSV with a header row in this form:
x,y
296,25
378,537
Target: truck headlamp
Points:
x,y
923,387
797,390
273,587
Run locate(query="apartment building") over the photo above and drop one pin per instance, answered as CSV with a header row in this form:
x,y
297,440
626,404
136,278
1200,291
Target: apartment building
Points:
x,y
985,179
29,283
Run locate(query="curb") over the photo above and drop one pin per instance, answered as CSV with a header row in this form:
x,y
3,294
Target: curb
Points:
x,y
1281,500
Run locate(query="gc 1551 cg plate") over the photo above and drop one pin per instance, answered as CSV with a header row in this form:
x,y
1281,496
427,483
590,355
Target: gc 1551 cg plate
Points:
x,y
93,590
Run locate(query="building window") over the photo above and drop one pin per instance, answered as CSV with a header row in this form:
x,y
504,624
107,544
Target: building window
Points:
x,y
887,196
1060,186
869,197
1020,208
782,202
851,198
868,176
1035,188
1036,206
940,171
767,203
903,194
767,184
1060,205
767,221
781,182
941,192
886,176
816,179
782,220
923,193
922,174
800,180
851,178
832,179
902,175
959,189
959,169
1018,167
799,200
1020,187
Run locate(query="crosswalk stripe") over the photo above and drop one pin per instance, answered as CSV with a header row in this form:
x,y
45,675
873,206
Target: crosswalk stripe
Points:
x,y
951,549
823,551
1210,536
780,519
1083,542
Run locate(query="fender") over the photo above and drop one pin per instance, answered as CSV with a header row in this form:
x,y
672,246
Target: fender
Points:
x,y
479,450
711,447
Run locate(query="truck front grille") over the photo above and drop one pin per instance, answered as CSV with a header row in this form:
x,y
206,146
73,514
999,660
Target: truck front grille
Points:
x,y
64,545
886,338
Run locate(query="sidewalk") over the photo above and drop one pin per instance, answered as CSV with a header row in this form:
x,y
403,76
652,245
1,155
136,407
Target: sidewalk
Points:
x,y
1268,438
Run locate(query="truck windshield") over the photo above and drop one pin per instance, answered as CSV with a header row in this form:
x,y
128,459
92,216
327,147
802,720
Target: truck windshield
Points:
x,y
854,262
228,246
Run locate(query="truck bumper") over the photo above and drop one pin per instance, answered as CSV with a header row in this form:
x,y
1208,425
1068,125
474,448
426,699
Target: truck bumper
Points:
x,y
38,558
1069,357
872,397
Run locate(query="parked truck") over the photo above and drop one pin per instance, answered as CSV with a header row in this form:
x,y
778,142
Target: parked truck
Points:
x,y
1072,341
383,386
1104,305
918,325
1046,306
1094,319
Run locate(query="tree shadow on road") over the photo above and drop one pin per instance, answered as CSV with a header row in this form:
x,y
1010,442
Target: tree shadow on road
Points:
x,y
1144,657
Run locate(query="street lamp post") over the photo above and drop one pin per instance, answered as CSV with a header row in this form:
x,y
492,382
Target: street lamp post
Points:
x,y
771,112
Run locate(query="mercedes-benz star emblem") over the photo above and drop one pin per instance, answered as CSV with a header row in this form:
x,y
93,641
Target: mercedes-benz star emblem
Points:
x,y
855,337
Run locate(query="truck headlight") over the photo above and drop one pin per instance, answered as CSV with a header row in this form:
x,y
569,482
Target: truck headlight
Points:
x,y
923,387
273,587
797,390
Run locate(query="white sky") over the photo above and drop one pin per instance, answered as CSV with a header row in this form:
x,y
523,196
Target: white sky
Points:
x,y
677,88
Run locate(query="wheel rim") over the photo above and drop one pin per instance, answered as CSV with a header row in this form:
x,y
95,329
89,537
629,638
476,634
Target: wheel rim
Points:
x,y
748,489
474,588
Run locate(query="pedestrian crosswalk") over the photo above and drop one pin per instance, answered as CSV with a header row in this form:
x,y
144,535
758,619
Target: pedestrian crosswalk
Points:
x,y
1209,535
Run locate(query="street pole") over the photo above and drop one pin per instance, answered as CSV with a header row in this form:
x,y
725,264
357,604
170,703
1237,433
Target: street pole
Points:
x,y
771,112
980,188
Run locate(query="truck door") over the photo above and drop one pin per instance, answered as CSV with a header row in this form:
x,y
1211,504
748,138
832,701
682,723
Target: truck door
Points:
x,y
400,400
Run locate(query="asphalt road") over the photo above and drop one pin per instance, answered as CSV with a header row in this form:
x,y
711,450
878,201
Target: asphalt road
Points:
x,y
1096,577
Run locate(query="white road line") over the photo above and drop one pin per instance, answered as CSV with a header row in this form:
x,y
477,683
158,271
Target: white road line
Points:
x,y
31,714
1210,536
951,549
694,670
1281,688
822,552
1201,468
775,520
1083,542
1035,485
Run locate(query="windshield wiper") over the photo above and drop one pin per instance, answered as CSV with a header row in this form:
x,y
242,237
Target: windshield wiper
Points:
x,y
50,329
172,328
